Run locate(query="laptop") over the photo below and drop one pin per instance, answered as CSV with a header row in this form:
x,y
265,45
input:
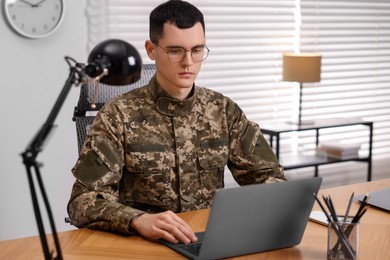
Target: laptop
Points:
x,y
379,199
254,218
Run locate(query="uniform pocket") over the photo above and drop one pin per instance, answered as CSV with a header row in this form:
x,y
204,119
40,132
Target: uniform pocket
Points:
x,y
97,163
213,153
107,153
212,159
149,159
149,177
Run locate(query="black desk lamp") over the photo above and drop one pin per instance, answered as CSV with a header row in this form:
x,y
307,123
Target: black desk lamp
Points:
x,y
112,62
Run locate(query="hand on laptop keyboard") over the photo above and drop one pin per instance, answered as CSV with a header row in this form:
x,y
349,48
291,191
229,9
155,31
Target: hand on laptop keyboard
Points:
x,y
166,225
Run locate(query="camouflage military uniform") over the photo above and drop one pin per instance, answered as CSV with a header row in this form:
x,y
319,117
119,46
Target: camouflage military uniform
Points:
x,y
148,152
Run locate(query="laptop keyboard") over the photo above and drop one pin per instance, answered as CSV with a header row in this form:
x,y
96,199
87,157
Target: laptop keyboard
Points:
x,y
193,248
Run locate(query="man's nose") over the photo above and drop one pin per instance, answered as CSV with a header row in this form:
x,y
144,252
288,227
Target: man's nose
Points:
x,y
187,59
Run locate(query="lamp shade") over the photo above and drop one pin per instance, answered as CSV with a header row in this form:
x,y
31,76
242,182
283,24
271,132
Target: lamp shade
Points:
x,y
121,59
302,67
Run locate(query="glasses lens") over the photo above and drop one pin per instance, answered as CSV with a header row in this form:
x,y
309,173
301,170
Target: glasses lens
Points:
x,y
176,55
198,54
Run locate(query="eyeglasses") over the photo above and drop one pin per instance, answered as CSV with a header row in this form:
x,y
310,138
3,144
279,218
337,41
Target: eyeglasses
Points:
x,y
177,54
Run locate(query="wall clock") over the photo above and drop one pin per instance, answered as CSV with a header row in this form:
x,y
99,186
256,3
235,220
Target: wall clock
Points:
x,y
34,18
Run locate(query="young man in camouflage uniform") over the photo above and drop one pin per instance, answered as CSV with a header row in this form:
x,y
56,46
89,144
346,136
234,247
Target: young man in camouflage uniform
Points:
x,y
162,148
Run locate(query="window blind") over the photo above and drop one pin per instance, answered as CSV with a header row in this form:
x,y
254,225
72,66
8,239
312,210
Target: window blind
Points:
x,y
247,39
354,40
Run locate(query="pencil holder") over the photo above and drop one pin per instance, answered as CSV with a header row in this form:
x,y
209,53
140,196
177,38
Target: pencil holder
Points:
x,y
343,239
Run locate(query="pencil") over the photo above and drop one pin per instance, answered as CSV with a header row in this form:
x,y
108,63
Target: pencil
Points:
x,y
348,207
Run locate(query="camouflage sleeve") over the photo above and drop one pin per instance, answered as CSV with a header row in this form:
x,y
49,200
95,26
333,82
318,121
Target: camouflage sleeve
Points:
x,y
251,159
94,200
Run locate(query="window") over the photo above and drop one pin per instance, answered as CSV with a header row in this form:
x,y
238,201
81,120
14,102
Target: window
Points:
x,y
247,39
354,40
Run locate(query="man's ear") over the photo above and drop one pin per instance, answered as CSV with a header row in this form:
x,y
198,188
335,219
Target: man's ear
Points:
x,y
150,49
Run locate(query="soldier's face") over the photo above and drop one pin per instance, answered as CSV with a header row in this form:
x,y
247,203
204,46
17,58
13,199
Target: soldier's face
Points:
x,y
176,78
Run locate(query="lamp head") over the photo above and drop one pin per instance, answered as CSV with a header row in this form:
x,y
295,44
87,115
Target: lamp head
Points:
x,y
121,59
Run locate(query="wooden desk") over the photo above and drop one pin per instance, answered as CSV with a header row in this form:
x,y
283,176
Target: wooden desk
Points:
x,y
374,240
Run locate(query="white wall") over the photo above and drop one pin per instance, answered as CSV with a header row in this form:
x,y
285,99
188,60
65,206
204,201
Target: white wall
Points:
x,y
33,73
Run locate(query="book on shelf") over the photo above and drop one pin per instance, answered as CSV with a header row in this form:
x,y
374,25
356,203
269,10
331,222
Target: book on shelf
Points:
x,y
338,150
338,146
338,155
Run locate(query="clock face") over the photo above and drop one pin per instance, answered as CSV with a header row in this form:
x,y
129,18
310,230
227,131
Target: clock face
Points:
x,y
34,18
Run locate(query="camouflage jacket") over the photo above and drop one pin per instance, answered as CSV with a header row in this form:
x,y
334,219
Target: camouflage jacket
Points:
x,y
148,152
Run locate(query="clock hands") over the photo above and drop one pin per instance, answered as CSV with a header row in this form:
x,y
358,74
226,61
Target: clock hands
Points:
x,y
27,3
32,5
40,2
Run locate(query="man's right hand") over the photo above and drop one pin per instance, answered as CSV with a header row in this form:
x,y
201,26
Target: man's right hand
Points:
x,y
166,225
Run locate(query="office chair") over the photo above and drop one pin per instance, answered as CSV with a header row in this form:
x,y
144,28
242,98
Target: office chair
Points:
x,y
93,96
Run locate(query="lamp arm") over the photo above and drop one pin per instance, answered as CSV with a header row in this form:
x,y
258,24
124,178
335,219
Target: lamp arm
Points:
x,y
37,142
29,159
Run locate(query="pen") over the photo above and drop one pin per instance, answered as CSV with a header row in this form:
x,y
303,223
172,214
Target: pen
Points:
x,y
332,209
348,207
362,208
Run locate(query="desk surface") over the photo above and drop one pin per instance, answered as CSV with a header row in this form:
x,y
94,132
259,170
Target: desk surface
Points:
x,y
374,239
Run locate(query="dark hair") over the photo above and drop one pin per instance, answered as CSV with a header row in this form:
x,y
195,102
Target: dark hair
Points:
x,y
179,13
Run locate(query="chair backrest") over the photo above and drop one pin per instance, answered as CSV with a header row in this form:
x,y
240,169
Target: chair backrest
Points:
x,y
93,96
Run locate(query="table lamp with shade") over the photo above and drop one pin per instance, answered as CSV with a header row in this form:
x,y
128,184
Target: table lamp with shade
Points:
x,y
301,67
